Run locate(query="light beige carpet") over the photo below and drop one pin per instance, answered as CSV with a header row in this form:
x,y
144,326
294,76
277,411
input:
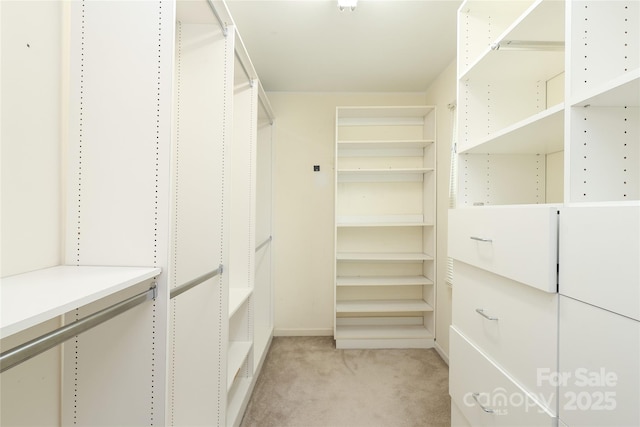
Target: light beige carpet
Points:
x,y
306,382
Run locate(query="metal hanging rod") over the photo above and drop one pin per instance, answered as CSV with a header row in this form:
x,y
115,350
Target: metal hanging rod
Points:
x,y
26,351
195,282
528,45
261,245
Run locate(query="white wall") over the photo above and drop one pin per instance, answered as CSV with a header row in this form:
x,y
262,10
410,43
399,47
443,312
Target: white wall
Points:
x,y
33,54
303,204
441,93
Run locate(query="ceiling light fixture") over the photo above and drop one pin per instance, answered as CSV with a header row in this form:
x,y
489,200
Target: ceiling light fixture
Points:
x,y
344,4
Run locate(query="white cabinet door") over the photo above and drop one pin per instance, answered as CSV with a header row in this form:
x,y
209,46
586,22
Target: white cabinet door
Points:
x,y
484,393
600,257
496,313
599,362
516,242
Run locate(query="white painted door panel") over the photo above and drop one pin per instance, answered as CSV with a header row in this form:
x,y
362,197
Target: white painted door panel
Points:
x,y
599,366
600,257
515,242
512,311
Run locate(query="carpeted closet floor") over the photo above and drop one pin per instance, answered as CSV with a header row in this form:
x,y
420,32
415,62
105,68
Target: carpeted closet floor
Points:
x,y
306,382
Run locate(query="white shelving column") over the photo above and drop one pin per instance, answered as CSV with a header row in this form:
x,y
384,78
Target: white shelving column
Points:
x,y
243,242
200,216
263,288
503,235
385,227
117,210
600,223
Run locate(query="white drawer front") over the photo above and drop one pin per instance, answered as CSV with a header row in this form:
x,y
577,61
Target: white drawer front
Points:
x,y
599,366
600,257
514,324
516,242
500,401
457,417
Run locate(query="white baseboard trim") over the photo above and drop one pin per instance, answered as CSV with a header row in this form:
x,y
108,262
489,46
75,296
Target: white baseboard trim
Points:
x,y
278,332
441,352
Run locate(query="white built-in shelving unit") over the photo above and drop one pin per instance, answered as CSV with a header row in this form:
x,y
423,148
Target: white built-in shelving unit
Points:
x,y
385,227
548,220
140,208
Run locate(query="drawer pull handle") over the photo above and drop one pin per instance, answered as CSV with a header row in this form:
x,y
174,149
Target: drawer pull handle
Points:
x,y
480,239
481,312
484,408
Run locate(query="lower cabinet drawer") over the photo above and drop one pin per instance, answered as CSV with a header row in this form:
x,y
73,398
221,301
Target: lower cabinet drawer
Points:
x,y
599,367
514,324
485,394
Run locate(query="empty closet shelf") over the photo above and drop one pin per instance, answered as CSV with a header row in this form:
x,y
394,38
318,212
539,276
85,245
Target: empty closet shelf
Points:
x,y
379,306
237,297
382,332
407,220
382,144
388,256
383,281
32,298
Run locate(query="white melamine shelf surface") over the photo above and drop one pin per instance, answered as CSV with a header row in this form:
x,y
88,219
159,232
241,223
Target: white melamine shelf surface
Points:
x,y
237,297
32,298
542,22
384,224
379,256
237,354
385,171
383,281
379,306
384,144
382,332
622,91
541,133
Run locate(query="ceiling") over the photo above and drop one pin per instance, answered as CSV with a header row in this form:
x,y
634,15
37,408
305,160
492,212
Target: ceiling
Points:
x,y
381,46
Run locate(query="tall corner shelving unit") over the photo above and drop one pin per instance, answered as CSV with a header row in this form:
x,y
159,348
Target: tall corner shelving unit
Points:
x,y
385,227
548,210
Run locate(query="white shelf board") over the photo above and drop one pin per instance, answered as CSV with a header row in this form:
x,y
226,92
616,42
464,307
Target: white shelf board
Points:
x,y
395,171
382,256
32,298
383,281
384,144
542,21
236,356
541,133
379,306
387,221
621,91
382,332
379,112
237,297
